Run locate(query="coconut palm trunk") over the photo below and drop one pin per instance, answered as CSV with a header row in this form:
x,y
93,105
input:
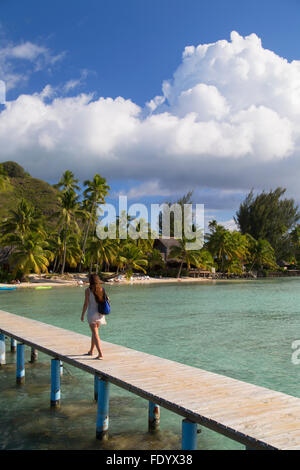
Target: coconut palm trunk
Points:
x,y
55,263
86,235
180,268
65,250
96,191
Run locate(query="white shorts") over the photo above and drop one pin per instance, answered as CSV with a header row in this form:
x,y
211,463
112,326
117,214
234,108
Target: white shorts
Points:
x,y
97,319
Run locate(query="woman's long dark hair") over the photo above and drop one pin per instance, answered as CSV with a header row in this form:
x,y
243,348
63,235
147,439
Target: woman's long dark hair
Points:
x,y
96,288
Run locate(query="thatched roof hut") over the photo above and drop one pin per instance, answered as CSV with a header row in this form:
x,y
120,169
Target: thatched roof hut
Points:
x,y
164,245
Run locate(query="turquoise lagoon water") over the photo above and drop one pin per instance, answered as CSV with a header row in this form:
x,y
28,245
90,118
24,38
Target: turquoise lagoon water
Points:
x,y
242,329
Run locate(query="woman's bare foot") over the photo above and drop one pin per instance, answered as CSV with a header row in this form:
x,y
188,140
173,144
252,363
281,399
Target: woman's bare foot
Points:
x,y
99,357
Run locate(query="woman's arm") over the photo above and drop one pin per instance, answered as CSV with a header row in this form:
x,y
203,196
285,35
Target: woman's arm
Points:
x,y
86,303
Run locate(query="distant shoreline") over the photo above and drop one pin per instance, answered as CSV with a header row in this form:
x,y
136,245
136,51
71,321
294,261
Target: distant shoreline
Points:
x,y
81,281
74,283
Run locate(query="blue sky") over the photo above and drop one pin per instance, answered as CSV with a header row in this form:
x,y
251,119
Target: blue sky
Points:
x,y
128,48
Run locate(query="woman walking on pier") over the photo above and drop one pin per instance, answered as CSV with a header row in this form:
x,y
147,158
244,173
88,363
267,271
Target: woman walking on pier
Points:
x,y
94,294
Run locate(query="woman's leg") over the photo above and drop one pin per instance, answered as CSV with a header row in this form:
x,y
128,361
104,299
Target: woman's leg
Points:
x,y
95,333
92,342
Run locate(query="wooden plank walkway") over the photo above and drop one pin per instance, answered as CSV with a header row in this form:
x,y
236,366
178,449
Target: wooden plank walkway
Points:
x,y
254,416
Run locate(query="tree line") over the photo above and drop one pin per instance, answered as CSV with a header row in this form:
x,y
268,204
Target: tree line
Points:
x,y
267,233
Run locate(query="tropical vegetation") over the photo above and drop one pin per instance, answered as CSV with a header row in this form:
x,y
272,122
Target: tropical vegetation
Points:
x,y
66,239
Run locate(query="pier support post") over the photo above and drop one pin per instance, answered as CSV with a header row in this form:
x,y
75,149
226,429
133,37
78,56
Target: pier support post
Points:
x,y
153,417
13,345
189,435
20,363
96,388
33,356
55,383
2,350
102,411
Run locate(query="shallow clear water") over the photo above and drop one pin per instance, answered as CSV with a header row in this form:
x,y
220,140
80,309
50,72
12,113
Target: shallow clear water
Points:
x,y
242,329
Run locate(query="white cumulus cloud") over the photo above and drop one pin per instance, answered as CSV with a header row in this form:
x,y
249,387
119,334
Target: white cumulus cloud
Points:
x,y
228,118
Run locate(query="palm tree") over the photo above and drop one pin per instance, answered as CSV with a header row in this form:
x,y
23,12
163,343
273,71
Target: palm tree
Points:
x,y
132,258
69,212
86,208
68,182
56,246
73,250
144,229
218,243
155,259
95,193
261,253
175,225
205,260
100,251
21,221
190,257
239,252
30,254
228,247
117,259
123,225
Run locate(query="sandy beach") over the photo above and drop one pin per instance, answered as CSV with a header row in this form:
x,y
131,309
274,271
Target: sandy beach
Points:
x,y
82,280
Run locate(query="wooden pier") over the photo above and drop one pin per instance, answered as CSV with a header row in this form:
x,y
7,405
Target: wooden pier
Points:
x,y
255,416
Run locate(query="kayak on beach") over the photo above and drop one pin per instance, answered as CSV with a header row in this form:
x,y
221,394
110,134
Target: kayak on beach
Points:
x,y
43,287
7,288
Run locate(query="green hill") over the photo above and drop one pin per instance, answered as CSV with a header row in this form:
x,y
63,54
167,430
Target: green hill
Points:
x,y
21,185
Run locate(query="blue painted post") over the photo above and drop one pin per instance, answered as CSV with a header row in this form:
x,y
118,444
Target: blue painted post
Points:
x,y
13,345
20,363
102,412
154,415
96,388
55,382
2,350
189,435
